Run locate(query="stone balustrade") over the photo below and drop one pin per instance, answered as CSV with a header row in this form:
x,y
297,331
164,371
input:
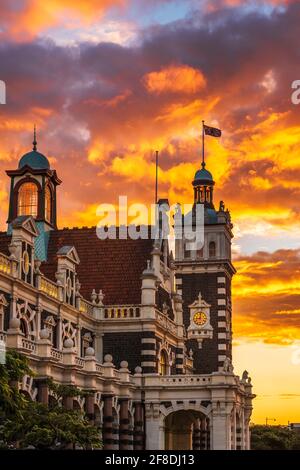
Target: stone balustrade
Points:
x,y
55,354
5,264
86,307
121,311
49,287
28,345
166,322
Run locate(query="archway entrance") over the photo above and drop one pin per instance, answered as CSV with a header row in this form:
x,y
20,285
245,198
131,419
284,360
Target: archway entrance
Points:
x,y
186,430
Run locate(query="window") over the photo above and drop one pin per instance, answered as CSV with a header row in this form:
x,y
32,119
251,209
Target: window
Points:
x,y
48,204
212,250
163,363
28,199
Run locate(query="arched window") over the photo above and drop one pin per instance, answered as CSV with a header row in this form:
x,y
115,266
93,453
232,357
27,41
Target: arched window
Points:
x,y
48,199
28,199
163,363
212,249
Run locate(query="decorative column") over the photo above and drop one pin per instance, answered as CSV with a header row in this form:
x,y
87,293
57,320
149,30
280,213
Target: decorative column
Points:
x,y
43,392
196,435
38,311
203,434
155,435
238,432
233,430
59,333
78,340
108,441
90,407
138,433
124,424
68,403
221,431
243,429
207,434
98,345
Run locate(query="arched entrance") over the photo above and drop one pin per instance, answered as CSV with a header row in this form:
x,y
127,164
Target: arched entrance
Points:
x,y
186,430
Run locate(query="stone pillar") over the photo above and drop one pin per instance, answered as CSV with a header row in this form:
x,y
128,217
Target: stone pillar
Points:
x,y
208,430
238,434
155,431
38,322
90,407
138,434
13,307
68,403
78,341
243,431
98,346
247,436
196,435
220,431
43,392
108,441
59,333
124,425
203,434
233,430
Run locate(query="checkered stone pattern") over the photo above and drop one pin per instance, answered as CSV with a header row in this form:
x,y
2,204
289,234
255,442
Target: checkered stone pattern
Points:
x,y
215,289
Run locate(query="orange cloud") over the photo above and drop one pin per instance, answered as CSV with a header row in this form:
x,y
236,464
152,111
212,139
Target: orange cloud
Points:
x,y
175,79
267,295
36,16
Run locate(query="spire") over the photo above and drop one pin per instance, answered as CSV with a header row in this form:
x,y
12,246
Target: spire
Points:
x,y
34,139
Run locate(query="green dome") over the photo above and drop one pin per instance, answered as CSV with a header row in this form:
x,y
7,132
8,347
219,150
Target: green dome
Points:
x,y
35,160
203,174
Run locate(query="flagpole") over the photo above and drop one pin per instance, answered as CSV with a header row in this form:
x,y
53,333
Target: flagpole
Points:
x,y
156,176
203,160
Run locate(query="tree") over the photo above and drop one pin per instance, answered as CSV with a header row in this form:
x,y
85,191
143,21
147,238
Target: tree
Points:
x,y
54,428
11,400
274,438
26,423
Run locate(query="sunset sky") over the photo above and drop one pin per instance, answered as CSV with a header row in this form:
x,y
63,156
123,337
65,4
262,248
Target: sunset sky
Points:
x,y
108,82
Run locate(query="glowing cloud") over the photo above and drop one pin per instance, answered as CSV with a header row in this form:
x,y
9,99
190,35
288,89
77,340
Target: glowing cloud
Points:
x,y
175,79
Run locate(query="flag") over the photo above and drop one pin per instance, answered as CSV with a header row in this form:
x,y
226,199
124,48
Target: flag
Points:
x,y
212,131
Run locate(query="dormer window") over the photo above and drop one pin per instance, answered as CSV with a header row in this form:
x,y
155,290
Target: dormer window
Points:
x,y
28,200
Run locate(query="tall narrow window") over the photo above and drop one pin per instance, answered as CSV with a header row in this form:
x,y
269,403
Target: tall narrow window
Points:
x,y
48,204
28,200
163,363
212,250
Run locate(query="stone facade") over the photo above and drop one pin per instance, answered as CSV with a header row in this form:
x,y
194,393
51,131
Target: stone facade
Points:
x,y
108,317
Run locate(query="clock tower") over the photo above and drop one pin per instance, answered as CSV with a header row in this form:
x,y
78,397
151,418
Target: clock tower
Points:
x,y
204,280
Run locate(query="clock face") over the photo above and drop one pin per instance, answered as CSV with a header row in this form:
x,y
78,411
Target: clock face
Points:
x,y
200,318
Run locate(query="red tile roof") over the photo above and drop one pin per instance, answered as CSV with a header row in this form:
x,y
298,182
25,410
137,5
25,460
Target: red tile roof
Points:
x,y
4,242
115,266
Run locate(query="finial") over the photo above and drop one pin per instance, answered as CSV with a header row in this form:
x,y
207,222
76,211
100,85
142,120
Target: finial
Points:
x,y
34,139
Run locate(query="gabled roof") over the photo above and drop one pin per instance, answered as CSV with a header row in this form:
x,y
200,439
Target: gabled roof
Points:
x,y
69,252
26,222
115,266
